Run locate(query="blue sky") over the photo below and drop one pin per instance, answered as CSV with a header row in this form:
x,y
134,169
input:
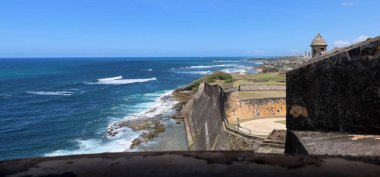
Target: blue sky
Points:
x,y
130,28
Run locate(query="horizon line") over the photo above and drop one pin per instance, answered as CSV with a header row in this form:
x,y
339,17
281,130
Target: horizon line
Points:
x,y
56,57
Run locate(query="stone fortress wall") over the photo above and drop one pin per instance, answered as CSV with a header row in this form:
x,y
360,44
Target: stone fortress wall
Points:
x,y
208,113
337,92
334,102
248,109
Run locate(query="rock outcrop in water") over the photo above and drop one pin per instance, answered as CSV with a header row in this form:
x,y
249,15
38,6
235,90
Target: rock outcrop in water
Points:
x,y
150,129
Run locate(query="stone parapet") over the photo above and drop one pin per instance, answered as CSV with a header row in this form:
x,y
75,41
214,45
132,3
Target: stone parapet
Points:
x,y
331,143
200,164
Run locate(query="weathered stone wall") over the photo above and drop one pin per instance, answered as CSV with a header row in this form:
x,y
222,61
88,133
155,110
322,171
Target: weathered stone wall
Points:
x,y
253,108
337,92
229,141
203,116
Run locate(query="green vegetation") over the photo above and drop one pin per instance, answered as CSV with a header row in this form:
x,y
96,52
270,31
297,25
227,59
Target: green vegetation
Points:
x,y
272,79
269,69
218,77
259,79
222,78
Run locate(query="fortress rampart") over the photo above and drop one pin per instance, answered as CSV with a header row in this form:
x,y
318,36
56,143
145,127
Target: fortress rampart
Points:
x,y
333,101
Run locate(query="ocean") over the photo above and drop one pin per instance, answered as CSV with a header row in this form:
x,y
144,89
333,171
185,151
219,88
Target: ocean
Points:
x,y
64,106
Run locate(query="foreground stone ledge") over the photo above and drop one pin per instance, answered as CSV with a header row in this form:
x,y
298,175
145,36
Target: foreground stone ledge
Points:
x,y
192,164
331,143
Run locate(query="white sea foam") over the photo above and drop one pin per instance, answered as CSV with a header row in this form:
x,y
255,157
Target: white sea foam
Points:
x,y
210,66
110,78
123,140
58,93
203,67
119,81
146,70
152,108
4,95
257,62
227,61
195,72
92,146
234,71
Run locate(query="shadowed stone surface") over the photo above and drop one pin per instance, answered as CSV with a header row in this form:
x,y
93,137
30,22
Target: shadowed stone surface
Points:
x,y
192,164
203,116
337,92
333,103
331,143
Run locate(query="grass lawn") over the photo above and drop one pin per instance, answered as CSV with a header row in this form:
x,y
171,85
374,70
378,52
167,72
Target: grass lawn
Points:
x,y
261,94
259,79
256,79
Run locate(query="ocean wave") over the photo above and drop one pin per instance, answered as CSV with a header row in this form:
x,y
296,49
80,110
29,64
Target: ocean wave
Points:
x,y
209,66
124,136
227,61
234,71
257,62
58,93
118,80
203,67
110,78
195,72
92,146
162,103
159,105
4,95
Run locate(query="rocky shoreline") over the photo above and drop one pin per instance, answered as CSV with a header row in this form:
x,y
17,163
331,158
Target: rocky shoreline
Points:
x,y
151,126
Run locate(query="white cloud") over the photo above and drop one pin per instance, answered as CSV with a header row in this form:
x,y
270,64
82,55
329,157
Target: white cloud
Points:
x,y
347,4
256,51
361,38
341,43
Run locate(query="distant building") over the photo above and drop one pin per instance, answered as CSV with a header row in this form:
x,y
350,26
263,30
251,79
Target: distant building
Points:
x,y
318,46
307,55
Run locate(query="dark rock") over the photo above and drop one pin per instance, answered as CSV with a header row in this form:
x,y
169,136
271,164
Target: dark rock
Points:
x,y
151,130
177,116
135,143
160,128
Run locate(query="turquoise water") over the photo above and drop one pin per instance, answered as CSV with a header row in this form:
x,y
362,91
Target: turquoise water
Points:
x,y
64,106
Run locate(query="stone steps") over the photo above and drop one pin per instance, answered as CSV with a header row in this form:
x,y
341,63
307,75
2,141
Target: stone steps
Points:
x,y
274,143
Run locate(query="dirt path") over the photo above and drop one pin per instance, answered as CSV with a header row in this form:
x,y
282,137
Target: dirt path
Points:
x,y
263,127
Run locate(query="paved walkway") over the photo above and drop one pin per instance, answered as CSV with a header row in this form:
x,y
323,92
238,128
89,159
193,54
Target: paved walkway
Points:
x,y
263,127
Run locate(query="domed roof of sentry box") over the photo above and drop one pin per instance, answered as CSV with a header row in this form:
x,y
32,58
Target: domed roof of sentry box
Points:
x,y
318,40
